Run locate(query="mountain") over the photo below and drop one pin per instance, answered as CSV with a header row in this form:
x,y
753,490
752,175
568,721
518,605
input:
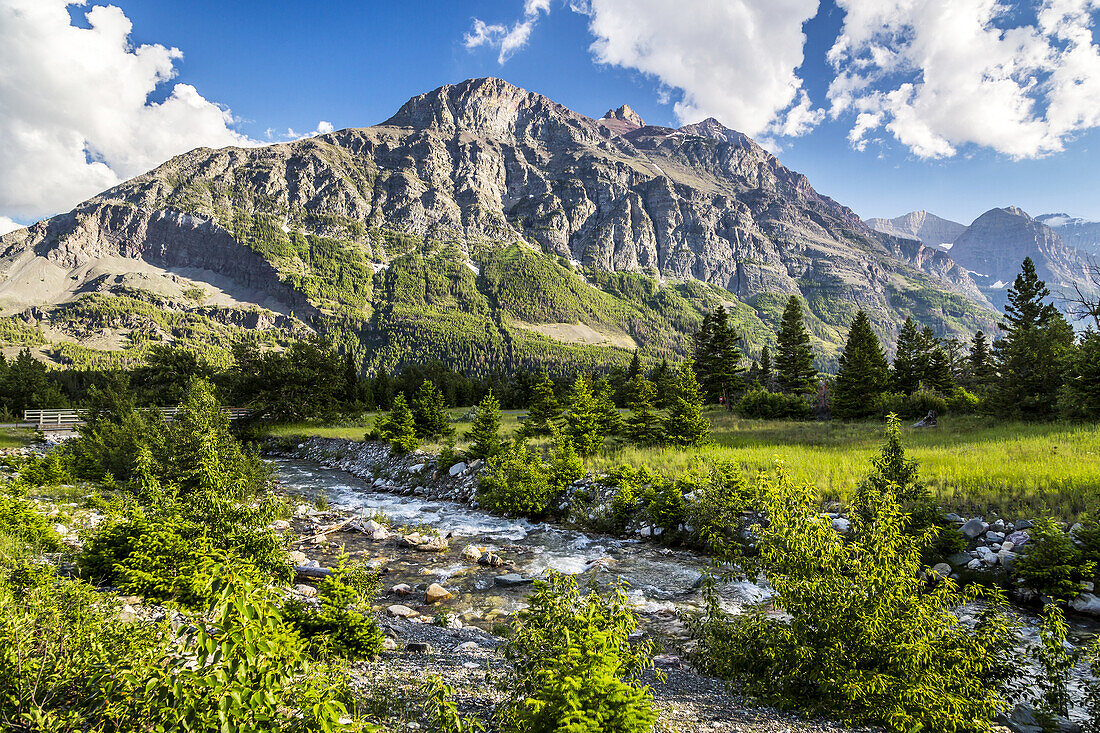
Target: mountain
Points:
x,y
995,244
481,224
928,228
1076,232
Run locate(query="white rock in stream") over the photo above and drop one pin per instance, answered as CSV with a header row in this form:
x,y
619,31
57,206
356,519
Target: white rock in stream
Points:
x,y
457,469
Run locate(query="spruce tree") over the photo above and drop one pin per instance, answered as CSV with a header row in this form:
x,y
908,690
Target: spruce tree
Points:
x,y
643,425
545,409
863,373
582,420
664,381
1080,397
685,424
429,410
399,427
635,367
484,435
381,389
939,375
1029,357
718,358
611,422
906,375
766,380
980,364
794,358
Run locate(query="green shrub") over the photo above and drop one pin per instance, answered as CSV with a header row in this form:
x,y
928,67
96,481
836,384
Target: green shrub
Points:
x,y
341,624
1050,563
1092,689
866,641
961,402
1055,660
439,712
716,503
574,668
910,407
518,482
52,469
759,404
21,520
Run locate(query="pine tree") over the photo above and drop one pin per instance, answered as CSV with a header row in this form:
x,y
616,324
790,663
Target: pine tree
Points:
x,y
766,379
863,373
545,409
794,359
484,435
893,473
664,381
399,427
685,424
429,410
643,425
353,392
1080,397
582,421
939,376
718,358
1030,356
906,374
980,364
635,367
611,422
381,390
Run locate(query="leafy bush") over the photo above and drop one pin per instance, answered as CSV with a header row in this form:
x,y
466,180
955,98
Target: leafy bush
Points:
x,y
910,407
574,668
21,520
759,404
1051,564
961,402
341,624
518,482
716,503
866,641
439,712
1056,661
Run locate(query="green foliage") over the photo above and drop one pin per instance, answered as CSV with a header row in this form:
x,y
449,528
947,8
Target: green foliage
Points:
x,y
866,641
341,623
1080,397
643,426
718,358
25,384
484,435
685,424
759,404
399,427
794,358
583,419
21,520
1051,564
429,409
715,505
573,665
863,373
304,381
1056,661
611,422
52,469
439,712
518,482
893,474
1092,691
545,410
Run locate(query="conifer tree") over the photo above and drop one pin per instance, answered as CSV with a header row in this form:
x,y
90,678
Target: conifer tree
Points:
x,y
766,380
635,367
794,358
484,435
685,424
718,358
893,473
382,389
353,391
664,381
643,425
906,374
399,427
939,376
545,409
863,373
1080,398
1030,356
611,422
582,420
429,410
980,364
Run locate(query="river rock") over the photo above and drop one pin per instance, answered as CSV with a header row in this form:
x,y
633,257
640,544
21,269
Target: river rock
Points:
x,y
959,559
401,611
437,593
1086,603
974,529
471,553
998,526
380,535
1007,559
491,560
297,557
280,525
413,540
305,590
1018,538
952,517
402,589
456,469
987,556
389,644
974,564
511,579
417,468
1024,524
468,646
994,536
435,544
942,570
842,525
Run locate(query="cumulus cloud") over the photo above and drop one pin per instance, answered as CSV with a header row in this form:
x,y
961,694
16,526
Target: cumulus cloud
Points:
x,y
507,40
939,74
76,115
734,60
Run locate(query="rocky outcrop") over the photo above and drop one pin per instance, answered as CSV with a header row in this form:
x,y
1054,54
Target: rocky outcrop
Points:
x,y
930,229
1075,231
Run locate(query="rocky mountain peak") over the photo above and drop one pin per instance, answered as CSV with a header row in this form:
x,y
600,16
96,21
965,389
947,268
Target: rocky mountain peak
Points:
x,y
931,230
625,114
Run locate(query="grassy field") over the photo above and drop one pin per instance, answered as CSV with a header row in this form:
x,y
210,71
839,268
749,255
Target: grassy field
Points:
x,y
15,437
970,464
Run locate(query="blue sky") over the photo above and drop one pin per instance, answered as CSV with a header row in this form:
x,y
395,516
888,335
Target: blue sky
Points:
x,y
282,67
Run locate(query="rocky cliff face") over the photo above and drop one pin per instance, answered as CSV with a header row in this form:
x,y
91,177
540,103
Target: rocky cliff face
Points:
x,y
1075,231
930,229
483,163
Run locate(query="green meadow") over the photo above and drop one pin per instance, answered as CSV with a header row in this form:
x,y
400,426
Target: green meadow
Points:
x,y
970,464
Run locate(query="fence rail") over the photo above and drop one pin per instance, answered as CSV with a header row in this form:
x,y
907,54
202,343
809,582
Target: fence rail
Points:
x,y
56,420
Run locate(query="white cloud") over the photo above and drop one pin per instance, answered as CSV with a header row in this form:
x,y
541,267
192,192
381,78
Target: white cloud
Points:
x,y
507,40
75,110
939,74
733,60
7,225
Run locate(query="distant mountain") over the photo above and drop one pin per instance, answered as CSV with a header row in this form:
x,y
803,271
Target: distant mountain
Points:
x,y
483,225
930,229
1076,232
995,244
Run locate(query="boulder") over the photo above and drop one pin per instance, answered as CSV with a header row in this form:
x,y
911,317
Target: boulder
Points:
x,y
511,579
417,468
435,544
942,570
1007,559
305,590
380,535
974,529
402,589
456,469
418,647
280,525
842,525
471,553
959,559
1024,524
401,611
1018,538
987,556
437,593
1086,603
297,557
992,536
